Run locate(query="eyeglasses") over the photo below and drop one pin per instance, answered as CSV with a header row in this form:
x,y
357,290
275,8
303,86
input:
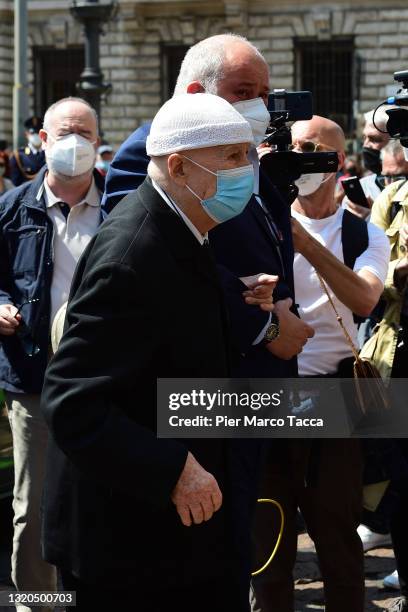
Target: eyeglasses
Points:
x,y
386,179
307,146
28,343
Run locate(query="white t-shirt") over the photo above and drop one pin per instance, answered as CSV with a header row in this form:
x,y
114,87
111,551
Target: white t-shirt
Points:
x,y
323,352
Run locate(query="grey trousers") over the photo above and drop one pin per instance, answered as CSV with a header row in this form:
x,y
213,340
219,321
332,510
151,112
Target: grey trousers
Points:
x,y
30,435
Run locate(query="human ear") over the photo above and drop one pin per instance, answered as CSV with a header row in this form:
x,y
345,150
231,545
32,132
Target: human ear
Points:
x,y
342,159
44,137
175,167
195,87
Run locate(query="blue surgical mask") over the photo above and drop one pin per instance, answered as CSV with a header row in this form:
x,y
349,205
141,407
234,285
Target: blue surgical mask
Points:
x,y
234,190
103,164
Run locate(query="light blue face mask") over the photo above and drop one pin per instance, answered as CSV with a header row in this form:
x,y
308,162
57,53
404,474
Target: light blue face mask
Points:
x,y
234,190
103,164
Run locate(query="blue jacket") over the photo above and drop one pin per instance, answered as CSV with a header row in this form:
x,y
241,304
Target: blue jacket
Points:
x,y
24,165
242,246
26,268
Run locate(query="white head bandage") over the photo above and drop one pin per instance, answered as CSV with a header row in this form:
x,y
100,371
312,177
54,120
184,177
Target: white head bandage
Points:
x,y
196,121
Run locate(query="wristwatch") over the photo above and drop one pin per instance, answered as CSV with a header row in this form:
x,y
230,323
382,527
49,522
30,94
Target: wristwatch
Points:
x,y
273,330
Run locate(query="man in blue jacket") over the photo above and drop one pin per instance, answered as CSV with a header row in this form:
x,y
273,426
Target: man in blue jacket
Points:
x,y
257,240
44,227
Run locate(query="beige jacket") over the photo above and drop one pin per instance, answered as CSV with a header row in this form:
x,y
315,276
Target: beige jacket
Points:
x,y
381,347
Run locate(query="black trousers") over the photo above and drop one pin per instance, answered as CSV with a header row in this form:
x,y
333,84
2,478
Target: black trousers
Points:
x,y
330,498
214,596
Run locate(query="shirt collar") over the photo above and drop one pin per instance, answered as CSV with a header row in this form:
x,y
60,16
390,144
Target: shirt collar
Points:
x,y
171,203
92,198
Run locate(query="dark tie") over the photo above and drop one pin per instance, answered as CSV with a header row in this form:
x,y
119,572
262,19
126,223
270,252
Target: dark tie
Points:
x,y
64,209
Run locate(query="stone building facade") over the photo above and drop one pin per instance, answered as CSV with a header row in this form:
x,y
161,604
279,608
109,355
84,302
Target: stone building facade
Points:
x,y
137,50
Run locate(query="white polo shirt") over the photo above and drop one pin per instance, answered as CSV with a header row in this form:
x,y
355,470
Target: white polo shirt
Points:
x,y
71,236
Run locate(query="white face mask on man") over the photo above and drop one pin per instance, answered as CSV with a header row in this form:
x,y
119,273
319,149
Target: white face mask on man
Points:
x,y
309,183
257,115
35,140
71,155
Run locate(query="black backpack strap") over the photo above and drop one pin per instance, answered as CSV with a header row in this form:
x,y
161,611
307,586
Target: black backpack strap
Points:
x,y
396,205
354,239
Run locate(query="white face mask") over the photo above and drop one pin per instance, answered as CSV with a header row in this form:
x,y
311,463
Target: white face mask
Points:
x,y
309,183
71,155
35,140
405,153
257,115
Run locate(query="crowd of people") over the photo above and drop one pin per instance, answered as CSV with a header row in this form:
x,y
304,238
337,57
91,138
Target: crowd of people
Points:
x,y
179,258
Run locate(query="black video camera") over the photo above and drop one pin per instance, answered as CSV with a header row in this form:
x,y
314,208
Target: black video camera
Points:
x,y
397,124
281,165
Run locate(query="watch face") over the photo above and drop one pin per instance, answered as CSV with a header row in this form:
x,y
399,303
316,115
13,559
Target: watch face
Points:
x,y
272,332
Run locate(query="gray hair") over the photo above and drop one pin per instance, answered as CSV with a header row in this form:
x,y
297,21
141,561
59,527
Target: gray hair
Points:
x,y
393,148
50,110
204,62
380,118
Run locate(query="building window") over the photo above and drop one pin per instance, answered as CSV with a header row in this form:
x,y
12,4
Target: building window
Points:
x,y
172,55
327,69
56,73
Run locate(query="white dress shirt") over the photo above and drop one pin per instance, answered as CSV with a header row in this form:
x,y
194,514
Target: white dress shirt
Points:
x,y
71,236
171,203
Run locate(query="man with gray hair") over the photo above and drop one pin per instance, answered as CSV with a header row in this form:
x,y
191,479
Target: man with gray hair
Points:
x,y
132,520
375,138
44,227
394,163
260,238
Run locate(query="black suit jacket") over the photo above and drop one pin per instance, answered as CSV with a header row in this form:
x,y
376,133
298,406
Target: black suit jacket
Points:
x,y
145,303
245,245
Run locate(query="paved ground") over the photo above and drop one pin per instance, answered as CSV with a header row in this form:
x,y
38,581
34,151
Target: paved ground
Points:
x,y
309,588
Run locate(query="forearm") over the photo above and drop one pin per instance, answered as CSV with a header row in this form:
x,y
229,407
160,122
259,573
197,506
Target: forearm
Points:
x,y
351,289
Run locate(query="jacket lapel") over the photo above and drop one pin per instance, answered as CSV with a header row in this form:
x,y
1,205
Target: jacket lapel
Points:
x,y
180,240
256,210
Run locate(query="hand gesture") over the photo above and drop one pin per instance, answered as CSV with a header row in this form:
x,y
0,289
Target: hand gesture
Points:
x,y
360,211
196,494
8,321
293,332
260,290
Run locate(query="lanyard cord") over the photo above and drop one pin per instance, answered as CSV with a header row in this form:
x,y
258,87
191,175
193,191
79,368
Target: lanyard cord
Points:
x,y
278,541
